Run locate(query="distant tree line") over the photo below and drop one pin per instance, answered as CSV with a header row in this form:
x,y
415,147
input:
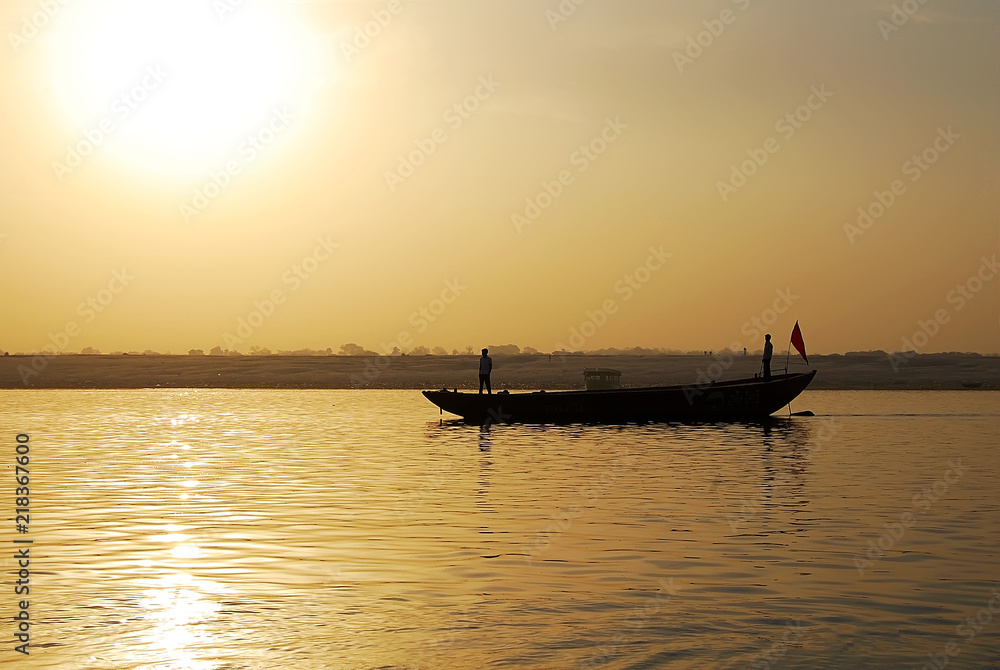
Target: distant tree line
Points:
x,y
352,349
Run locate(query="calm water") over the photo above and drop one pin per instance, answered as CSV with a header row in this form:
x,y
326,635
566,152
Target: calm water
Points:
x,y
218,529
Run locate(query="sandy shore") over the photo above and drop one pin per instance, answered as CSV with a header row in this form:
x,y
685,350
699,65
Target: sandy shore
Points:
x,y
851,371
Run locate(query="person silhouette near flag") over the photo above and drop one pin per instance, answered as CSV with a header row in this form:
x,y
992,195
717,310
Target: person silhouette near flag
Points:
x,y
795,341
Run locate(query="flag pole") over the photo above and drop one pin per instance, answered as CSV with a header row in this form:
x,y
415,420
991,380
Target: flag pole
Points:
x,y
787,354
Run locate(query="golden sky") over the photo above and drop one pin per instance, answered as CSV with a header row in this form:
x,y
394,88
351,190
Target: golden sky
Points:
x,y
579,174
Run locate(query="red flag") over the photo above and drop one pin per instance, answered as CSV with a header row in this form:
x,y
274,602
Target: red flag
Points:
x,y
797,342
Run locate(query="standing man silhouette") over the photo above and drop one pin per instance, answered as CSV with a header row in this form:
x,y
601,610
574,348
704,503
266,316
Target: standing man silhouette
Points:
x,y
768,349
485,368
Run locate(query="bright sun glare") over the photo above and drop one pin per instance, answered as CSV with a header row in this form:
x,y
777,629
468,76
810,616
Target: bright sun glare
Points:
x,y
175,86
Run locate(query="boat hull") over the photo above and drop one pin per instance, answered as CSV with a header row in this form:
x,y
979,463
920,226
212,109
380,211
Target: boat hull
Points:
x,y
737,400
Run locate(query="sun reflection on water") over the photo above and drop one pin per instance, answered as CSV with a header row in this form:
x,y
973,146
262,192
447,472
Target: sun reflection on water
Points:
x,y
381,539
178,606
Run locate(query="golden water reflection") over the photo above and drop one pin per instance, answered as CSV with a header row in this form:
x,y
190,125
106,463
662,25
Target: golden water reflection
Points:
x,y
177,606
234,530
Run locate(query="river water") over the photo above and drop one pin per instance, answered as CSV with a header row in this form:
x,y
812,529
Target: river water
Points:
x,y
226,529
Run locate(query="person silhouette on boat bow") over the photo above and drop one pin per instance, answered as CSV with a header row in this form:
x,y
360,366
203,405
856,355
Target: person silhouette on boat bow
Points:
x,y
485,368
766,361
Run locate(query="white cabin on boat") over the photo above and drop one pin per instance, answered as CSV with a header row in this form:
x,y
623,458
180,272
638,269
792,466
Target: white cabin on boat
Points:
x,y
600,379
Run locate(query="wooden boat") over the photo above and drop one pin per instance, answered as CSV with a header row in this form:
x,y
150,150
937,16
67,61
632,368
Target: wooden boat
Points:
x,y
736,400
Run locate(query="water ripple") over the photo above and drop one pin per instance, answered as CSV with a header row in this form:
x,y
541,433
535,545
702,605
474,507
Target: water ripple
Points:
x,y
224,530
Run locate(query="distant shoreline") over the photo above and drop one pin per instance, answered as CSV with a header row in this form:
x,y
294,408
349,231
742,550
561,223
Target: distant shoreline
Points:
x,y
873,370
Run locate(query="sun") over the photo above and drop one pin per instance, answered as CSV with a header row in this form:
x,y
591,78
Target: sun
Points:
x,y
175,86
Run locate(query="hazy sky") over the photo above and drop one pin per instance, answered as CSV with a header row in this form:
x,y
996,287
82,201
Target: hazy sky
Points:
x,y
473,172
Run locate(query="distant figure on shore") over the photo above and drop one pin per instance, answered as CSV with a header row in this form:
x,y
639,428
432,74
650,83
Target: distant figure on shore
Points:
x,y
744,351
485,368
768,349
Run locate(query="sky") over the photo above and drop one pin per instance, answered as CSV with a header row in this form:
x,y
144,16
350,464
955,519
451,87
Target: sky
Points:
x,y
574,174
